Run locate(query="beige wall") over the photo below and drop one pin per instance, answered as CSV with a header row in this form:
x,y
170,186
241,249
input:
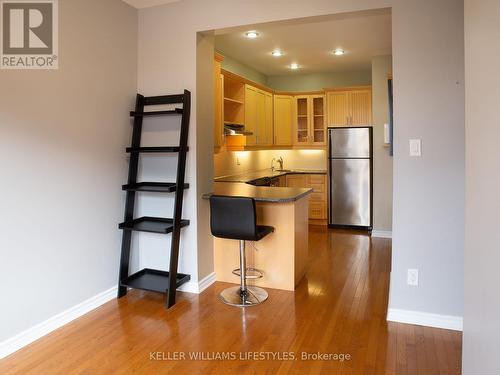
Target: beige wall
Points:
x,y
204,140
382,161
428,192
298,82
319,81
428,203
62,140
243,70
482,237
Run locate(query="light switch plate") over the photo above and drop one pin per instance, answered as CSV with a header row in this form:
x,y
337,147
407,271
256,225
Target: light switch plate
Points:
x,y
412,278
415,147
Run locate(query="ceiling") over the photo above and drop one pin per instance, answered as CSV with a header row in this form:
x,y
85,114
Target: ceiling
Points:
x,y
148,3
310,42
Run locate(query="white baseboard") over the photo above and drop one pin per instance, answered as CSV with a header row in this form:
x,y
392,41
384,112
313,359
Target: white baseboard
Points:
x,y
206,282
200,286
425,319
382,233
26,337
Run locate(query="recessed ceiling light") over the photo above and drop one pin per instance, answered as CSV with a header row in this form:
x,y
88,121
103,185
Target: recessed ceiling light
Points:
x,y
252,34
338,52
277,53
294,66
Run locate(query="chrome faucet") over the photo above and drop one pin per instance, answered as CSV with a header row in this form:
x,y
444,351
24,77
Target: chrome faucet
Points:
x,y
280,162
272,164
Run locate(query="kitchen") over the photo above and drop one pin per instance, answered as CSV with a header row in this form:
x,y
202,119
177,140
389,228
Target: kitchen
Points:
x,y
277,96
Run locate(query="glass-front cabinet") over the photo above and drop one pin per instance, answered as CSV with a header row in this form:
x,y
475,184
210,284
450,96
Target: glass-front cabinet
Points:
x,y
302,136
310,120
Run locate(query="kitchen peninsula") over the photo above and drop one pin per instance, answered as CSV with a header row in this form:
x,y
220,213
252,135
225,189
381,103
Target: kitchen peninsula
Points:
x,y
282,255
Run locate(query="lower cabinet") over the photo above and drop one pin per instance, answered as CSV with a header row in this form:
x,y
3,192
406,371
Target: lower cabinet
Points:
x,y
318,198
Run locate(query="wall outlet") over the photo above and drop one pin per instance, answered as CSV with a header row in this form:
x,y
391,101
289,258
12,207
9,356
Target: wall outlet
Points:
x,y
415,147
412,277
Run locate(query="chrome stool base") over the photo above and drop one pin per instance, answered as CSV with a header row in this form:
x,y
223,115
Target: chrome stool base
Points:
x,y
233,296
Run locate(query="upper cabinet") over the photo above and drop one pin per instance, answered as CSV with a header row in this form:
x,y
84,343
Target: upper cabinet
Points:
x,y
283,120
234,105
258,116
309,120
349,107
361,107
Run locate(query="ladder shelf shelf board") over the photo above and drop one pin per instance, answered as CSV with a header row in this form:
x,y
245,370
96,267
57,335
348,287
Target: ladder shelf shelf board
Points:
x,y
153,187
151,224
175,111
153,280
149,279
136,150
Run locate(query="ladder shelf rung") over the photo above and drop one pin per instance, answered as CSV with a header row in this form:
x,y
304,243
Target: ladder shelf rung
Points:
x,y
164,99
155,149
156,113
151,224
154,187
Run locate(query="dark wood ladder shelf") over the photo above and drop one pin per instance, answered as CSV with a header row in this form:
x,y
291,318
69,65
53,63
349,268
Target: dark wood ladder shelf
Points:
x,y
153,187
149,279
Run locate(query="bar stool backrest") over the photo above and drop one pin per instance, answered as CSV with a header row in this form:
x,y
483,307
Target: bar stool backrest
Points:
x,y
233,217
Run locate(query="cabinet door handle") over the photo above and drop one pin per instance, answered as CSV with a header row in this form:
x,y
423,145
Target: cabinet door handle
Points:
x,y
347,120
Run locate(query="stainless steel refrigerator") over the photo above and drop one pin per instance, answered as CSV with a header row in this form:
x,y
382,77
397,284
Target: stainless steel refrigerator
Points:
x,y
350,162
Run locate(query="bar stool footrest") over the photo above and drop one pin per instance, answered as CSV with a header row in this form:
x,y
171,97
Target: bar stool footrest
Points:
x,y
251,273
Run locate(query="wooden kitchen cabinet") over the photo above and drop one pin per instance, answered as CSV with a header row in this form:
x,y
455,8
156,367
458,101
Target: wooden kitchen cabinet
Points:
x,y
296,180
258,116
318,198
281,181
349,107
283,120
310,120
234,96
361,107
218,102
337,108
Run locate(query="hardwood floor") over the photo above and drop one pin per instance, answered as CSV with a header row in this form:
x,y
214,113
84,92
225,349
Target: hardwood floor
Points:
x,y
339,308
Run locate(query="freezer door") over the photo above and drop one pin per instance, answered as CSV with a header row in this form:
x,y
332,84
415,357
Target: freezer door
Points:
x,y
349,142
350,192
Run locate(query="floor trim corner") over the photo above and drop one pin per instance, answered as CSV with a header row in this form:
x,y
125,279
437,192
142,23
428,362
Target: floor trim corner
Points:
x,y
454,323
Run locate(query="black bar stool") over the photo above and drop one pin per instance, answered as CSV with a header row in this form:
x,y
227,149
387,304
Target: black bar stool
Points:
x,y
235,218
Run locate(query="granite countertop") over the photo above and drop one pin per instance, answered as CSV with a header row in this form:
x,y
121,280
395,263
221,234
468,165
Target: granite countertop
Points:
x,y
259,193
250,176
